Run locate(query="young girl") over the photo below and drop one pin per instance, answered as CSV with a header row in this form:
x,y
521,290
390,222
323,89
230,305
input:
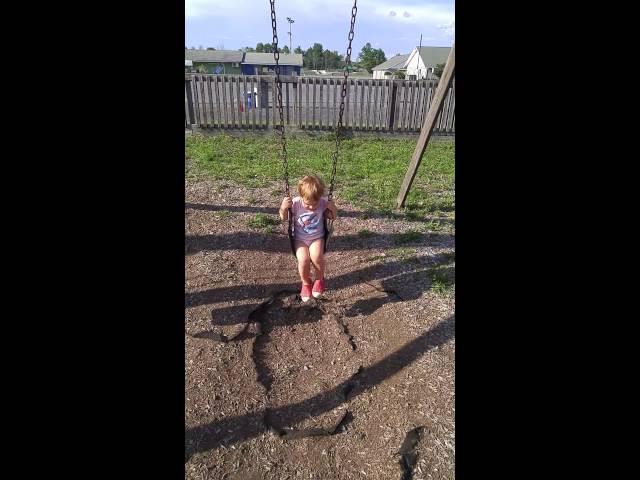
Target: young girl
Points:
x,y
308,211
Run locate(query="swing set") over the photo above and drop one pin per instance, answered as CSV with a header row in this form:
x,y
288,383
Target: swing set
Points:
x,y
423,139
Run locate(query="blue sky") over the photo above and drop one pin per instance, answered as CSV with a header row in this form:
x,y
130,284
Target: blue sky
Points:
x,y
394,26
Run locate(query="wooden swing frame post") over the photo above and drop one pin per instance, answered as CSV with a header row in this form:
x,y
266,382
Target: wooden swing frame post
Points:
x,y
427,126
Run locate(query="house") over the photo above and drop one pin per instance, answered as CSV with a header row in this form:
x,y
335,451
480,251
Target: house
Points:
x,y
422,61
215,61
264,63
389,68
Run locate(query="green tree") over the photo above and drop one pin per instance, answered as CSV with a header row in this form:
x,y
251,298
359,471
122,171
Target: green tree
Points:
x,y
370,57
260,47
313,57
210,48
298,50
285,49
437,71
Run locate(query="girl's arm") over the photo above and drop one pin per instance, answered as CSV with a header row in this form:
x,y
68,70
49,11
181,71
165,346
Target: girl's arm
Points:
x,y
332,211
284,208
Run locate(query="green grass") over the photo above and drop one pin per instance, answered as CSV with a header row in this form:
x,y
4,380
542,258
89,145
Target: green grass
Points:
x,y
442,279
263,222
369,174
403,253
365,233
222,214
407,237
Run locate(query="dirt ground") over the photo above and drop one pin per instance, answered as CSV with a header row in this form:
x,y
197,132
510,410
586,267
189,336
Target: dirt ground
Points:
x,y
359,384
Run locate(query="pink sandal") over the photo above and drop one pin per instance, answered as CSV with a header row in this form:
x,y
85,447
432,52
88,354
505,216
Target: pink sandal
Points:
x,y
305,293
318,288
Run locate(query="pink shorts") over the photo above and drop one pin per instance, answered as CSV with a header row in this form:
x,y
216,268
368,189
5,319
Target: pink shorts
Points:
x,y
308,241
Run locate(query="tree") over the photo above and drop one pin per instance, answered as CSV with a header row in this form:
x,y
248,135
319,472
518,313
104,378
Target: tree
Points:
x,y
437,71
298,50
370,57
285,49
210,48
260,47
313,56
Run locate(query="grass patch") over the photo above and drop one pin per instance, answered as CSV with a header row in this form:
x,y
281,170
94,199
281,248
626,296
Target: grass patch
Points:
x,y
263,222
364,233
222,214
407,237
369,171
403,253
442,279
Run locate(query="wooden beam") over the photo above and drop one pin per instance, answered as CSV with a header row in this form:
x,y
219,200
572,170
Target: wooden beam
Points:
x,y
427,127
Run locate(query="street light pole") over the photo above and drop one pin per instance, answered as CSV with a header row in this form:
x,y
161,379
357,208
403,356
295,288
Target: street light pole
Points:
x,y
290,20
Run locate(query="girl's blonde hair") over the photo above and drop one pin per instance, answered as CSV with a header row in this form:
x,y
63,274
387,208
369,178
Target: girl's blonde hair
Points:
x,y
311,187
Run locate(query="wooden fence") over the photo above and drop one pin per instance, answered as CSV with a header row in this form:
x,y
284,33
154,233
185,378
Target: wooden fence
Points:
x,y
312,103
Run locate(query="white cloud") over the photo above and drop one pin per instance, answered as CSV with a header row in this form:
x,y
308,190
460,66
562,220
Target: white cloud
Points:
x,y
449,29
323,10
426,14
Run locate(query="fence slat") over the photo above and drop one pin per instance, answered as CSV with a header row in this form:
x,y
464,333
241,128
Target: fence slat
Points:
x,y
210,103
374,121
231,101
196,100
253,103
328,98
274,103
412,94
320,84
203,90
398,119
216,81
245,102
453,106
359,110
299,100
186,103
307,103
407,106
313,111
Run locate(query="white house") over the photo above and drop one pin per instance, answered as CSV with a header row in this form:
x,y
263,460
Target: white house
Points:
x,y
390,67
422,61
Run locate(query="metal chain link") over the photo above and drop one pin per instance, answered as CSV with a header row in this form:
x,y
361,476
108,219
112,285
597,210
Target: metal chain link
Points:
x,y
339,127
283,140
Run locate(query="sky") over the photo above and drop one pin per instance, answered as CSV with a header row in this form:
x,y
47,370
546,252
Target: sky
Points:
x,y
393,26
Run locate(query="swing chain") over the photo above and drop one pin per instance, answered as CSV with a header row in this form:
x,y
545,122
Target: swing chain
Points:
x,y
343,94
280,130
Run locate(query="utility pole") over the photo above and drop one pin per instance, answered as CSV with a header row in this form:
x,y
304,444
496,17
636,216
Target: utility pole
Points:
x,y
419,57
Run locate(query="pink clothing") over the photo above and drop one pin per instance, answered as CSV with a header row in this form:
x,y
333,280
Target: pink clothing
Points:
x,y
309,224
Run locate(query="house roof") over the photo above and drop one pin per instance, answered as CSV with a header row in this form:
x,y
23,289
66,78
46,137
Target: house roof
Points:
x,y
432,56
254,58
213,56
395,63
